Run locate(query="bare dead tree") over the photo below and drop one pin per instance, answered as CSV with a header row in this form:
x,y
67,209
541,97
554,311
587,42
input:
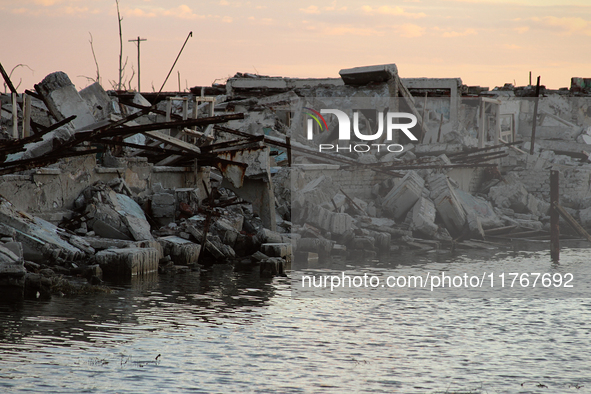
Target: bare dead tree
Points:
x,y
130,78
98,74
20,79
119,19
114,84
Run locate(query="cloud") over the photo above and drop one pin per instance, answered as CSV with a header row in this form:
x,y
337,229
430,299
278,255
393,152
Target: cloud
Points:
x,y
227,19
224,2
568,25
387,10
183,11
46,3
311,10
353,31
522,29
75,10
409,30
453,33
512,46
138,12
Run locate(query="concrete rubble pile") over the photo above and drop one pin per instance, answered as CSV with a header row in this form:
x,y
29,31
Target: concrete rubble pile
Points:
x,y
116,185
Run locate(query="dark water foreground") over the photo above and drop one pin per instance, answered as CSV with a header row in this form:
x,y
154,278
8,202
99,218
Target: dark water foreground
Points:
x,y
232,332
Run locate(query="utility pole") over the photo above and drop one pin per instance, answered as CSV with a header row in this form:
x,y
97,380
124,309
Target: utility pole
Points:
x,y
138,40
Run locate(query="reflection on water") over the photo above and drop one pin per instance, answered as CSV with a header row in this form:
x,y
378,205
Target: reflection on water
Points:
x,y
233,332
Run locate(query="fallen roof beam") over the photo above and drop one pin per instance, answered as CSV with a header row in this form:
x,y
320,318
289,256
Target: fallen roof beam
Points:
x,y
112,131
154,110
22,165
16,145
228,144
474,150
173,141
327,158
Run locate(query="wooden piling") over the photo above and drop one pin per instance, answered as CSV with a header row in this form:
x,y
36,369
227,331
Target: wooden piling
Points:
x,y
554,216
439,132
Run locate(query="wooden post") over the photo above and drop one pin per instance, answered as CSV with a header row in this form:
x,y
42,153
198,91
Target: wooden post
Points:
x,y
14,116
554,216
535,121
482,128
439,132
26,115
530,78
138,40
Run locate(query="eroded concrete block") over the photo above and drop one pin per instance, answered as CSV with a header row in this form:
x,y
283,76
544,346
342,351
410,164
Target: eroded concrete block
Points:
x,y
38,237
364,75
277,250
513,195
423,218
163,205
63,100
321,246
447,204
181,251
340,223
402,198
127,263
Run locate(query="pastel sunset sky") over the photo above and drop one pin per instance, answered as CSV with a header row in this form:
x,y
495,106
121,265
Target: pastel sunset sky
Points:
x,y
484,42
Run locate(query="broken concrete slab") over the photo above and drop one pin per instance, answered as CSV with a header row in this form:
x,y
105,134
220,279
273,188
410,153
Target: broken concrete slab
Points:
x,y
38,237
481,208
340,223
363,75
267,236
12,275
213,245
509,195
16,248
63,100
402,198
163,205
321,246
447,204
226,231
181,251
277,250
423,218
97,101
114,215
273,266
126,263
105,230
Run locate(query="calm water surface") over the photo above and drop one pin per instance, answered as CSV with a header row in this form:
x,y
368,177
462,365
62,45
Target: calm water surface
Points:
x,y
232,332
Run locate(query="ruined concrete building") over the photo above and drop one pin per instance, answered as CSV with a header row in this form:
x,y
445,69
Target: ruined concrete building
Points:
x,y
122,184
